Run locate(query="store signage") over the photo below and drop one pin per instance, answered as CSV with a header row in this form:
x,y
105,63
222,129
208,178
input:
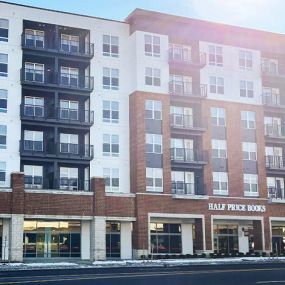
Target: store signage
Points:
x,y
236,207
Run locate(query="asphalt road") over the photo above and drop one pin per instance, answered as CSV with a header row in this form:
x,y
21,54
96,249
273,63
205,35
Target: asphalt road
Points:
x,y
245,274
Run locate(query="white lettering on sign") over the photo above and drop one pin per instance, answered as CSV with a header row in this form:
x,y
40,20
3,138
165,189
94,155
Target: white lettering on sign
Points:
x,y
236,207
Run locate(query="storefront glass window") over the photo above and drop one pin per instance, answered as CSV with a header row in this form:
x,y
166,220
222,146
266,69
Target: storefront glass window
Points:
x,y
113,240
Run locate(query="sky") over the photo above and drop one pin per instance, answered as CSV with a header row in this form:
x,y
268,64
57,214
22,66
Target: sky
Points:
x,y
266,15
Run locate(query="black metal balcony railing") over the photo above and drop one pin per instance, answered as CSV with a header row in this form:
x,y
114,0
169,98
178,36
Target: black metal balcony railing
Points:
x,y
75,151
274,161
38,112
33,182
187,155
67,47
40,77
182,188
271,70
179,55
274,130
180,88
273,100
276,193
186,121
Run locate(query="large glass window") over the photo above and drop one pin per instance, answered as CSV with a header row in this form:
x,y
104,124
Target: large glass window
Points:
x,y
69,43
3,65
112,179
154,179
152,45
3,100
47,239
153,109
34,106
165,238
110,46
2,172
113,240
3,136
111,145
4,30
69,76
33,176
33,140
110,78
69,110
225,238
69,143
34,72
110,111
68,178
35,38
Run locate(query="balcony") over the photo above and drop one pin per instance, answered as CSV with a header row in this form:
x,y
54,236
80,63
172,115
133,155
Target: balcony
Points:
x,y
275,164
181,123
276,194
53,150
179,57
185,89
185,158
33,182
56,80
274,132
273,100
183,190
69,48
38,113
272,70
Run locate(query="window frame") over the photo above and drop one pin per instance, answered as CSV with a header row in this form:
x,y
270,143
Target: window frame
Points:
x,y
249,151
111,111
110,45
246,124
4,27
3,136
153,141
3,170
3,100
245,57
249,179
246,89
220,178
217,85
215,55
152,45
4,65
156,113
218,118
220,146
111,75
108,141
109,179
154,174
152,77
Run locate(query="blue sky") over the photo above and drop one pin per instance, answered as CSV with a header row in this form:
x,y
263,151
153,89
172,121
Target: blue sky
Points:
x,y
260,14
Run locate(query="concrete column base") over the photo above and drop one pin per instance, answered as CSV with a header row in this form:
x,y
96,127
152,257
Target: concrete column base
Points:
x,y
126,240
16,237
98,238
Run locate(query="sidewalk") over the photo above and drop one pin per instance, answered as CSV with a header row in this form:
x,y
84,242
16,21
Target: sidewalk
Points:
x,y
138,263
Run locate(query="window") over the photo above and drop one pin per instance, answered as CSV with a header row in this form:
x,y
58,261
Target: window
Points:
x,y
112,179
3,136
110,46
110,78
180,85
33,140
248,119
110,111
3,100
180,53
154,179
181,117
113,240
249,151
69,143
246,89
274,156
218,116
152,76
165,238
34,106
216,85
153,143
220,183
4,30
69,110
69,43
250,184
245,59
110,145
183,183
34,38
270,66
69,76
152,45
153,110
215,55
2,172
271,96
68,178
182,149
34,72
33,176
219,149
3,65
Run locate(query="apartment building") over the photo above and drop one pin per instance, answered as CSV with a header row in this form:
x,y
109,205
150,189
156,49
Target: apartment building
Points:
x,y
155,135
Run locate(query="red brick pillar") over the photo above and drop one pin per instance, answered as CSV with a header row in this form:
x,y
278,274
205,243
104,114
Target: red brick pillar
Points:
x,y
18,193
140,236
257,233
208,233
267,236
98,188
199,236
